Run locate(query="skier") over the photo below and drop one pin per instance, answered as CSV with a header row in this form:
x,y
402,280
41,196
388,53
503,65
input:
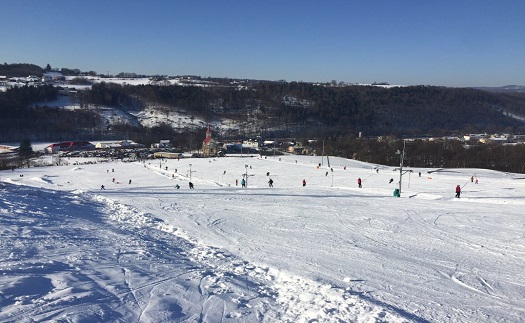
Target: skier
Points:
x,y
390,181
130,181
243,183
191,185
102,187
270,182
177,186
472,179
419,174
304,182
236,182
359,182
458,191
113,179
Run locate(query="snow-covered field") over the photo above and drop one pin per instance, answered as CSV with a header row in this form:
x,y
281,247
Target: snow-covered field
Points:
x,y
327,252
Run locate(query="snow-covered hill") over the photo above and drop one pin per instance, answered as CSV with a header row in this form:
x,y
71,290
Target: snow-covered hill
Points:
x,y
148,116
326,252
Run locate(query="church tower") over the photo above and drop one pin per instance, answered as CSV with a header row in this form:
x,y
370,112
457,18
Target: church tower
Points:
x,y
207,148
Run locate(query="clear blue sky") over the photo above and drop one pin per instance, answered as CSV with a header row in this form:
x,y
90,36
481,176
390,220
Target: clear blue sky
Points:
x,y
450,42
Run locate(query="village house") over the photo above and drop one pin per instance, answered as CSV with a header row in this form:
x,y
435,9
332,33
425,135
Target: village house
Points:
x,y
69,146
161,144
298,150
168,155
118,144
8,149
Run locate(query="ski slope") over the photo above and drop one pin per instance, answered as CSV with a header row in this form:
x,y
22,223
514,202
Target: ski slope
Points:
x,y
327,252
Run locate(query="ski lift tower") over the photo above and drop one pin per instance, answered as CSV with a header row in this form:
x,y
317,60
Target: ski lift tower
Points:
x,y
191,172
245,175
322,155
401,157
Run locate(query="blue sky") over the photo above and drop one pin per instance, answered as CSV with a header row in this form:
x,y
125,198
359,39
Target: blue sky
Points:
x,y
450,43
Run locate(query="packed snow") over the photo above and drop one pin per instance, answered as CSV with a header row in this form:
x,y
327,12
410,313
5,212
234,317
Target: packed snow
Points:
x,y
142,250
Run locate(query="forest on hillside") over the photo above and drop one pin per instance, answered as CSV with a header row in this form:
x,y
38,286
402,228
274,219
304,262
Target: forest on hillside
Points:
x,y
312,110
334,115
275,109
20,70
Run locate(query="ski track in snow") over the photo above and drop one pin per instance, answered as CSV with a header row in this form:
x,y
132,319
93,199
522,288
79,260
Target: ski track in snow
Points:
x,y
230,288
129,295
300,300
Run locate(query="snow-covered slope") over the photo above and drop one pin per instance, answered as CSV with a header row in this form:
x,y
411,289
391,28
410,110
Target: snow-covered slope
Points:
x,y
329,251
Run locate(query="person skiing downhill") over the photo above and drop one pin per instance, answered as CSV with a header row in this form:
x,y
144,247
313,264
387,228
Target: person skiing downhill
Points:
x,y
304,182
458,191
270,182
359,182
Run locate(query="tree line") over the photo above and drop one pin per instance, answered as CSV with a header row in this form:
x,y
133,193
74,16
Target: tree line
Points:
x,y
440,153
20,70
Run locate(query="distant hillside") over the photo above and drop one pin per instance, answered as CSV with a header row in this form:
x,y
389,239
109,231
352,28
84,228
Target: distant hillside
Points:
x,y
20,70
249,108
305,109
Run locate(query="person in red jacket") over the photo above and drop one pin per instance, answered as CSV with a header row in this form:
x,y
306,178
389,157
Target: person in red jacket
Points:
x,y
458,191
359,182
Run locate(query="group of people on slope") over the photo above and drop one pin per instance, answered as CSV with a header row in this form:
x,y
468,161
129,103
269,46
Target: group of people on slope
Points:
x,y
459,188
270,183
